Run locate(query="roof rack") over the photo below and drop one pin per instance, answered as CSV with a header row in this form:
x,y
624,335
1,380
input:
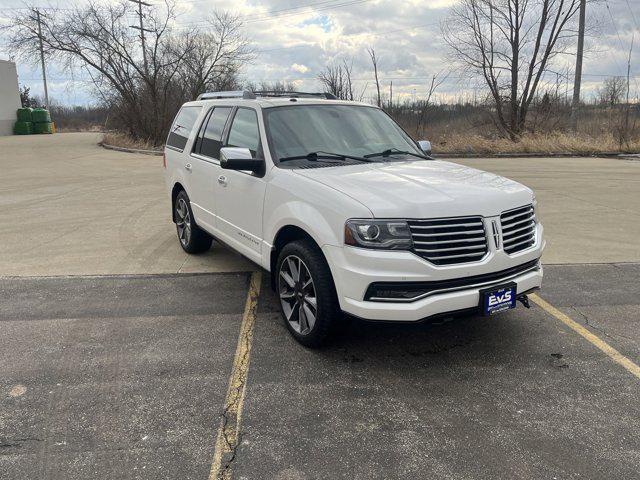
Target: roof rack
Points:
x,y
230,94
294,94
248,95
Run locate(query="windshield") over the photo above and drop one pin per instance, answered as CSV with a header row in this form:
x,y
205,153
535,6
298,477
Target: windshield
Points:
x,y
345,129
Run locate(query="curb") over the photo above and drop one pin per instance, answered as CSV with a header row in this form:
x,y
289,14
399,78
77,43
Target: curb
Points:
x,y
130,150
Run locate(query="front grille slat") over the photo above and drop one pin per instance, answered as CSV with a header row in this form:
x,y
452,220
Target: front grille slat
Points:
x,y
463,240
515,236
448,257
527,242
444,234
456,225
455,249
449,241
518,237
515,224
521,229
518,211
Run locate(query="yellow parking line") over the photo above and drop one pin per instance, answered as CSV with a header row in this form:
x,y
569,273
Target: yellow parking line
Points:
x,y
614,354
227,438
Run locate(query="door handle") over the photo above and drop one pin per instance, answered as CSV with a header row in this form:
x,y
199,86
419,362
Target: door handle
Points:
x,y
222,180
188,167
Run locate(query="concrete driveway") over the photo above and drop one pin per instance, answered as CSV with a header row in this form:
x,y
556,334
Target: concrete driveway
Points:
x,y
122,357
84,210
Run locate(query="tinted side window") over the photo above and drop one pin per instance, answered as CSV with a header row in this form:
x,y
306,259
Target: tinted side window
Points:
x,y
182,126
244,131
212,139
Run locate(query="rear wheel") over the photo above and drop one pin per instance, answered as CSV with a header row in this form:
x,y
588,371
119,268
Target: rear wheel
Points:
x,y
308,299
192,238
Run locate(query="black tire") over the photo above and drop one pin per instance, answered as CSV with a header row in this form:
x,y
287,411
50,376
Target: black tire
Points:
x,y
191,237
327,309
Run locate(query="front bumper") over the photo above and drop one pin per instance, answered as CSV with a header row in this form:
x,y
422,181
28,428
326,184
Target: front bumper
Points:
x,y
355,270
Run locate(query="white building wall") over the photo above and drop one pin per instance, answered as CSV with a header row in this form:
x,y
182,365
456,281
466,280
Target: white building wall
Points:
x,y
9,96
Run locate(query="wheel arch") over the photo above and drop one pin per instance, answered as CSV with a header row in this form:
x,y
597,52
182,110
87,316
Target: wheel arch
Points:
x,y
287,234
177,188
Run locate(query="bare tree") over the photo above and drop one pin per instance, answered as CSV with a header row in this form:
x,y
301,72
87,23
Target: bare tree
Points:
x,y
436,80
374,61
97,38
337,80
510,44
276,87
211,57
612,92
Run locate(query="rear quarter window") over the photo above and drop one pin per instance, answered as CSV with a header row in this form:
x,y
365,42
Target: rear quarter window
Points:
x,y
182,126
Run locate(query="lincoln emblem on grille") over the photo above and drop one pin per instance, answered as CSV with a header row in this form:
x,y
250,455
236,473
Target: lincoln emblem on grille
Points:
x,y
496,234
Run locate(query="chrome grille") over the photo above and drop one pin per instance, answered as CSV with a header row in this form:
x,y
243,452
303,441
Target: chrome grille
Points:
x,y
518,228
447,241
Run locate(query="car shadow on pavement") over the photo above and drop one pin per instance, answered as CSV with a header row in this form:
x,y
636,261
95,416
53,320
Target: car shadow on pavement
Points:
x,y
468,338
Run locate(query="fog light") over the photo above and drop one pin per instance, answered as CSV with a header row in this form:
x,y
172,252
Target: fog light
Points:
x,y
394,293
390,293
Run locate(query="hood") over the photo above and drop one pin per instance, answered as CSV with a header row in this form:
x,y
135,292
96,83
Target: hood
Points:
x,y
423,189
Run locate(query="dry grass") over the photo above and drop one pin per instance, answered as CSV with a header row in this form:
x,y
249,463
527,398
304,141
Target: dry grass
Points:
x,y
473,143
577,144
123,140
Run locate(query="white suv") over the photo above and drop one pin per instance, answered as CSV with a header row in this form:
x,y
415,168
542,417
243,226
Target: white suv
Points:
x,y
347,212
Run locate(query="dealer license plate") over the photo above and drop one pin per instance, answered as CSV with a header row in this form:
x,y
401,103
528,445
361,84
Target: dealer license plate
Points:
x,y
498,299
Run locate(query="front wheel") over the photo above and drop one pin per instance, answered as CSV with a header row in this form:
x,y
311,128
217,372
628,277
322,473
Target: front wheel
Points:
x,y
308,299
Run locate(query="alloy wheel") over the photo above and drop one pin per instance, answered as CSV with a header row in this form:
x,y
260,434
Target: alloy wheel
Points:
x,y
297,294
183,221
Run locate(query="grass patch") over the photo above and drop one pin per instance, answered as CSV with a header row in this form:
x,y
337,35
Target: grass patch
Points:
x,y
125,141
548,143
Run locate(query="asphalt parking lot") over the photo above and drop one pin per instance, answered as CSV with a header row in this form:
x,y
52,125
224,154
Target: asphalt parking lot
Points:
x,y
117,350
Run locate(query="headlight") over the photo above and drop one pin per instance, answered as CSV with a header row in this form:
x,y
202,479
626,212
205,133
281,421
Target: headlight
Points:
x,y
383,234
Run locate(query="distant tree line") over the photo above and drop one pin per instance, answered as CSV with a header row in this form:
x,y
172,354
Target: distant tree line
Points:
x,y
510,45
142,90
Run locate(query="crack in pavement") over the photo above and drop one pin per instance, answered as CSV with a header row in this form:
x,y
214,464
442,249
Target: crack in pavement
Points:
x,y
589,323
230,419
18,442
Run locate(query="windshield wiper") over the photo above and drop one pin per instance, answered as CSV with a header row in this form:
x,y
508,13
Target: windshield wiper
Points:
x,y
395,151
320,155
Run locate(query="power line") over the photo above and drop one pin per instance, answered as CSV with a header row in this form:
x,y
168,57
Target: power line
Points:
x,y
615,26
286,13
633,15
374,34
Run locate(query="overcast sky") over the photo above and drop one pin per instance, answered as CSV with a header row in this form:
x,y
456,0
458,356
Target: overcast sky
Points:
x,y
296,39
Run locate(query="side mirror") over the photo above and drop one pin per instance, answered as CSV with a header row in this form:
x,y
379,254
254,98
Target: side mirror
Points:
x,y
425,146
235,158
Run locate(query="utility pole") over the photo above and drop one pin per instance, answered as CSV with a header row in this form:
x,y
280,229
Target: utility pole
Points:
x,y
44,71
575,104
627,105
142,30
